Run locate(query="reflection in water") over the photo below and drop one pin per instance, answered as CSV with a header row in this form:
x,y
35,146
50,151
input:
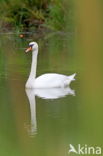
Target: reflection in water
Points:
x,y
53,93
31,97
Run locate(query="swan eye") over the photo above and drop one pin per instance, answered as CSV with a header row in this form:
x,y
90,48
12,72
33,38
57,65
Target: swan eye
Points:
x,y
31,45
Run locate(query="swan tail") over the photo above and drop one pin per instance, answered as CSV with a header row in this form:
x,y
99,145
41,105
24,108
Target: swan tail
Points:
x,y
72,77
69,79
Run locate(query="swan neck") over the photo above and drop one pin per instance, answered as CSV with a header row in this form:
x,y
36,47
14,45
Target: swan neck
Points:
x,y
33,64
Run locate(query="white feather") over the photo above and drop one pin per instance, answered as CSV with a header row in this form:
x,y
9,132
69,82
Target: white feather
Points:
x,y
49,80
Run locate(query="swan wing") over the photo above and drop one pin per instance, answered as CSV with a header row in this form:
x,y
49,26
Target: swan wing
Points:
x,y
51,80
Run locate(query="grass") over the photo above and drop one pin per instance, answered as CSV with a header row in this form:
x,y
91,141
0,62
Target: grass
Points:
x,y
34,14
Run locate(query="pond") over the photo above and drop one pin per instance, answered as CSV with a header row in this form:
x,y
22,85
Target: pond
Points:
x,y
31,124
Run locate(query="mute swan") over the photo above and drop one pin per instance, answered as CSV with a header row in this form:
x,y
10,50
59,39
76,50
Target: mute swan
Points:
x,y
49,80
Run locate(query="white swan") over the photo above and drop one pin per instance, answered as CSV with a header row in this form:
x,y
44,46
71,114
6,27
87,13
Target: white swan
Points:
x,y
49,80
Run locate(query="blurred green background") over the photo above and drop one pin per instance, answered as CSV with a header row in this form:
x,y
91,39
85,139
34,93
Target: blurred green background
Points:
x,y
31,15
69,34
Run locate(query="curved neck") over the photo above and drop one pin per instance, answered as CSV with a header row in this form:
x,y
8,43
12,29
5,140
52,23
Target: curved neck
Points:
x,y
33,64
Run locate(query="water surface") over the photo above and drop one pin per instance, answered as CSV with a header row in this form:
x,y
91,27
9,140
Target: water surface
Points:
x,y
32,124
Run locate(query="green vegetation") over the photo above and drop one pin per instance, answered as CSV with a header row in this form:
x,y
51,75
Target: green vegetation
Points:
x,y
35,14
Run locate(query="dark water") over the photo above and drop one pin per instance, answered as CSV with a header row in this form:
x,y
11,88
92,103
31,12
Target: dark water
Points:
x,y
32,125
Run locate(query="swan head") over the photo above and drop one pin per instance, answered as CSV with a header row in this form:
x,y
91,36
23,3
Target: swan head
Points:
x,y
32,47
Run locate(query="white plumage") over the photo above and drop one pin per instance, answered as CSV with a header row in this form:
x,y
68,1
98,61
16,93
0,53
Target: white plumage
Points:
x,y
53,80
49,80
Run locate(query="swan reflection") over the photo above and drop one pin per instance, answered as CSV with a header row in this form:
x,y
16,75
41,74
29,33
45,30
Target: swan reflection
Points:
x,y
31,97
52,93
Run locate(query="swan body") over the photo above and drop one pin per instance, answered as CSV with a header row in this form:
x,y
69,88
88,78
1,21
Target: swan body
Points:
x,y
53,80
49,80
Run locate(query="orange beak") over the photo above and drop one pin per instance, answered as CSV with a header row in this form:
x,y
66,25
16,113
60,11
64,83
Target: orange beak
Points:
x,y
28,49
